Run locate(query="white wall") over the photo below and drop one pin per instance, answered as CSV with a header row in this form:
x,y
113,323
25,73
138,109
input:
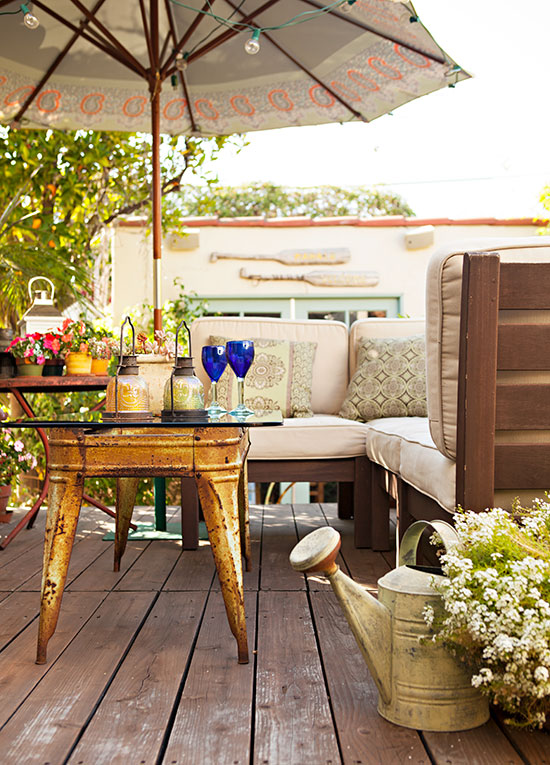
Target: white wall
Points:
x,y
375,245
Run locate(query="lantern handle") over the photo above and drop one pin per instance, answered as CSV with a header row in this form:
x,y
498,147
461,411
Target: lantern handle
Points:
x,y
129,321
183,323
42,278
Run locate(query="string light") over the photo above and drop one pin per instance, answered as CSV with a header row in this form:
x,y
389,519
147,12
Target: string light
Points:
x,y
347,6
29,19
252,45
181,62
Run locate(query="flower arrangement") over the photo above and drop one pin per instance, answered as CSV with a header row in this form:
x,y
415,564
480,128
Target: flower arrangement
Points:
x,y
14,458
29,347
496,598
162,344
53,345
101,347
75,336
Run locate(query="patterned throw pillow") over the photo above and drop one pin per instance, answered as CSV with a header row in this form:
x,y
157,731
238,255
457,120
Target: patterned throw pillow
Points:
x,y
390,380
280,377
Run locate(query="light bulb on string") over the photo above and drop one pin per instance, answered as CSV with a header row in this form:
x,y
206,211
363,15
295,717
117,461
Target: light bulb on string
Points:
x,y
29,19
346,6
181,62
252,45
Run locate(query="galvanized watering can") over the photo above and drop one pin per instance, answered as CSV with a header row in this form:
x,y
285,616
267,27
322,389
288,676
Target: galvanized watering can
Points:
x,y
421,685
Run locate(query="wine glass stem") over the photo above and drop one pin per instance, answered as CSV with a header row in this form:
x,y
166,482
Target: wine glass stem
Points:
x,y
214,401
240,390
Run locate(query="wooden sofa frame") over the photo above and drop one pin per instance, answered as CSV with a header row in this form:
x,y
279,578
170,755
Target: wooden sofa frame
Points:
x,y
488,345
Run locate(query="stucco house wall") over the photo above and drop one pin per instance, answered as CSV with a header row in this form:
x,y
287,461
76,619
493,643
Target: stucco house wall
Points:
x,y
375,245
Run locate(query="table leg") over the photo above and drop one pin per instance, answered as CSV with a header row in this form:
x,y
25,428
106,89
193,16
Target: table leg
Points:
x,y
244,520
126,490
218,493
62,519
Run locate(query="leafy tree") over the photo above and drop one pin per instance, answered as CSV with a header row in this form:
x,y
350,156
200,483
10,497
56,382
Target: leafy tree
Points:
x,y
267,199
61,190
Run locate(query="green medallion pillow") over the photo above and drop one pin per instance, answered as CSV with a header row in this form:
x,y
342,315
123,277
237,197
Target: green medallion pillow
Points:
x,y
280,377
390,379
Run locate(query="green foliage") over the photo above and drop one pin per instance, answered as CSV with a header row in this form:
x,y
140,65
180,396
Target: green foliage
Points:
x,y
59,192
267,199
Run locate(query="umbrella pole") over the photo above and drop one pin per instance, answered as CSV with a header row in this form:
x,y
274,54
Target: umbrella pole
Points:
x,y
157,210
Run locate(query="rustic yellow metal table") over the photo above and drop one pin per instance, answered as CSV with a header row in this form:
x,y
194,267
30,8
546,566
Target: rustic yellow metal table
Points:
x,y
213,452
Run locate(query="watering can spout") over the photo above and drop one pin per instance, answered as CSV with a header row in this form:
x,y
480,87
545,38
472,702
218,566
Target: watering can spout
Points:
x,y
369,620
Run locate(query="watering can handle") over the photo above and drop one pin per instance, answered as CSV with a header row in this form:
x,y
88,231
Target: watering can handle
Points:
x,y
409,544
41,278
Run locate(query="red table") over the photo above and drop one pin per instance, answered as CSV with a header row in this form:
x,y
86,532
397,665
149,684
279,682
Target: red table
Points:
x,y
18,386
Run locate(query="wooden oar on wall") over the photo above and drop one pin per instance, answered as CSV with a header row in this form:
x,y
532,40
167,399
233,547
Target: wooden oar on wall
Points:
x,y
294,257
321,278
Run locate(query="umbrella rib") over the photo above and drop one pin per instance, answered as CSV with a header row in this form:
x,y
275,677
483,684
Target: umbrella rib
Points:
x,y
98,43
377,33
295,61
181,74
146,31
179,45
117,44
227,35
58,59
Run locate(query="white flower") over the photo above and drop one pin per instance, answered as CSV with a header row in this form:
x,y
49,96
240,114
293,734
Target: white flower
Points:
x,y
18,446
541,674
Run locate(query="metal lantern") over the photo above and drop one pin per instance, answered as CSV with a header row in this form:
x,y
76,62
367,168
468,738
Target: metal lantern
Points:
x,y
127,395
42,316
184,392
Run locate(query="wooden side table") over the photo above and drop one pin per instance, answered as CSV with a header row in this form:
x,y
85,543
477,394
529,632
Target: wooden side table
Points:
x,y
213,456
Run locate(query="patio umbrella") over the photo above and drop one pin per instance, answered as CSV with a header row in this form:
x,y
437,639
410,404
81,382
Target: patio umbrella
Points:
x,y
183,68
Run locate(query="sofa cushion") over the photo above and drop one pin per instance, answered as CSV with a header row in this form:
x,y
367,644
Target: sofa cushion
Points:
x,y
390,380
279,378
330,367
318,437
443,299
384,438
374,328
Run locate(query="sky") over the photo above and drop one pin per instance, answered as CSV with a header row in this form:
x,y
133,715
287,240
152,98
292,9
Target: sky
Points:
x,y
481,149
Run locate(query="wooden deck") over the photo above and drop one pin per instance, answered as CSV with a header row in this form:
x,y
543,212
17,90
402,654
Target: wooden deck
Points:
x,y
142,668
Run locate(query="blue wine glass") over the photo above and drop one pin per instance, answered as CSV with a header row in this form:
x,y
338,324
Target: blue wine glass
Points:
x,y
240,355
214,361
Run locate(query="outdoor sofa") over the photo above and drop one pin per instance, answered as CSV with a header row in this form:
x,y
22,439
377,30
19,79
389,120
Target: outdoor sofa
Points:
x,y
486,434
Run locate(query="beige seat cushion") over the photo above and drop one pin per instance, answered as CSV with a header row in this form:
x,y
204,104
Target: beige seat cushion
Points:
x,y
385,437
318,437
443,297
330,366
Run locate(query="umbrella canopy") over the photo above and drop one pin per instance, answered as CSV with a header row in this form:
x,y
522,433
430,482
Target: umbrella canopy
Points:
x,y
182,68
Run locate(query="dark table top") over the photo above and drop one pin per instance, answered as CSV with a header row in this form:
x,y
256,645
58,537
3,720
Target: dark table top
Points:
x,y
96,420
66,382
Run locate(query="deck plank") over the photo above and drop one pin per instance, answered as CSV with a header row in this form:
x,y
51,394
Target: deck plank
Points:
x,y
293,717
278,539
16,613
365,737
534,745
213,721
484,745
153,567
52,717
139,701
19,675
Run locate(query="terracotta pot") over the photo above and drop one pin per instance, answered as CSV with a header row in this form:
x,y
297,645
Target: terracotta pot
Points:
x,y
78,363
99,366
5,515
156,369
26,368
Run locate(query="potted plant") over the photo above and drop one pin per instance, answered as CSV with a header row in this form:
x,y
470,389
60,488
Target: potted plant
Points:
x,y
29,353
496,616
155,357
53,351
101,352
75,337
14,459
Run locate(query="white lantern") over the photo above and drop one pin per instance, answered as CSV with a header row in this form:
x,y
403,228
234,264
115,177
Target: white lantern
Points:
x,y
42,316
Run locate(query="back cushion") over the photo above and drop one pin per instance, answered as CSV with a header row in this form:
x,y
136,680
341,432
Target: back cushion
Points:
x,y
443,300
379,328
330,367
